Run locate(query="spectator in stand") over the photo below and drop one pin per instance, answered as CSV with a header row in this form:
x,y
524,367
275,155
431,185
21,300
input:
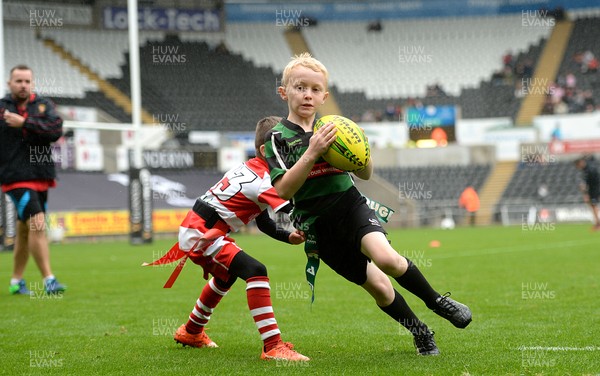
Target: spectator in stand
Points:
x,y
507,76
390,112
368,116
508,59
221,49
528,68
543,193
520,72
570,80
412,102
497,78
588,101
520,89
399,112
559,14
435,90
593,65
548,108
587,59
375,26
565,97
356,118
560,108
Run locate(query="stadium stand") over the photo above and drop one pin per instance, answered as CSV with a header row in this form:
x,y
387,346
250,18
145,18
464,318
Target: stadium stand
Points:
x,y
488,99
460,54
256,52
232,89
103,51
582,94
54,77
262,43
105,57
98,100
543,187
559,177
436,188
411,54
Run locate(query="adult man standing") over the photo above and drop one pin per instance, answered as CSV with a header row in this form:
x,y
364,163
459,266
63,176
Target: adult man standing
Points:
x,y
28,125
590,186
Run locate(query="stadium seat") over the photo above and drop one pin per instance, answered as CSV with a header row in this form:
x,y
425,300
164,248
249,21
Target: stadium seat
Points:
x,y
53,77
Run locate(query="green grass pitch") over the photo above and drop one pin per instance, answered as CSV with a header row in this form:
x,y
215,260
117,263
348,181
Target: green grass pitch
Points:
x,y
533,292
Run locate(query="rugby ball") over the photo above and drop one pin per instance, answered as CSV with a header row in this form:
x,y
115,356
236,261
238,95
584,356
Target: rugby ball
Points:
x,y
350,151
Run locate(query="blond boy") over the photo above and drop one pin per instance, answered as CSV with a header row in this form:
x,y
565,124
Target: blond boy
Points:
x,y
340,228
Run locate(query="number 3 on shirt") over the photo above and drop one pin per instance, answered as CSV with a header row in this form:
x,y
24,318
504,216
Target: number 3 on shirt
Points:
x,y
233,182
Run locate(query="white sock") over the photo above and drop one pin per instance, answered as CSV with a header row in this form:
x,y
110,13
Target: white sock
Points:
x,y
51,276
14,281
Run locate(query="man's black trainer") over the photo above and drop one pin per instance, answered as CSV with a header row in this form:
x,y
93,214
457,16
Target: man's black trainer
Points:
x,y
425,344
457,313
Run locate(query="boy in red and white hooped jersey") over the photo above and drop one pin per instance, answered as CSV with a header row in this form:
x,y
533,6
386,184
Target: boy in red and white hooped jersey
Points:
x,y
242,195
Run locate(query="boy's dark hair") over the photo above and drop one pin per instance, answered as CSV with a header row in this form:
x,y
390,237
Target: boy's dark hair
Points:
x,y
263,126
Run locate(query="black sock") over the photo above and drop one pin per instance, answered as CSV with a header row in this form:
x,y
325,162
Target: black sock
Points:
x,y
401,312
414,281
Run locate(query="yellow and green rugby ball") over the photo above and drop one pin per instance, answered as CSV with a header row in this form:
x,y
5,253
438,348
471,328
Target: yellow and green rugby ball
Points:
x,y
350,151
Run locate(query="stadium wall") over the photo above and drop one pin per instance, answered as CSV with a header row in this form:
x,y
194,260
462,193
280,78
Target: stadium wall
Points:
x,y
414,9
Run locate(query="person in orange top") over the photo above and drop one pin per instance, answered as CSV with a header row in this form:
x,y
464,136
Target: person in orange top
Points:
x,y
469,200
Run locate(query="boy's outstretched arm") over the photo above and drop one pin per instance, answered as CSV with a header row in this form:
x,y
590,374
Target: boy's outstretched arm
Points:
x,y
269,227
290,182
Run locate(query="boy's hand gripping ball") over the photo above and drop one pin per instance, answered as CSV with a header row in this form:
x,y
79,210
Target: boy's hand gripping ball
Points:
x,y
350,151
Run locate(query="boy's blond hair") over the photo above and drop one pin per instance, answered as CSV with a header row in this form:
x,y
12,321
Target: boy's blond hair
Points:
x,y
306,60
263,126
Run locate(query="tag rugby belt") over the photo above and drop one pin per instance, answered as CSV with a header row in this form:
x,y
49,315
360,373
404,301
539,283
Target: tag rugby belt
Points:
x,y
211,217
216,226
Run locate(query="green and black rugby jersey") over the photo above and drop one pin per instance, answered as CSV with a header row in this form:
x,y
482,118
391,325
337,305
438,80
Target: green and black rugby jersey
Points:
x,y
284,146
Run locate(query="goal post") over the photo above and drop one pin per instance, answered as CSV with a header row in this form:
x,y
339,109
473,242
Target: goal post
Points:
x,y
139,190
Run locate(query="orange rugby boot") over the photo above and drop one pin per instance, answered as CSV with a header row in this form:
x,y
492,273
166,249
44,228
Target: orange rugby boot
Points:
x,y
284,351
194,340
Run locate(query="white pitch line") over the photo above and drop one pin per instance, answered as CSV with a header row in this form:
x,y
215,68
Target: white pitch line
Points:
x,y
560,348
491,251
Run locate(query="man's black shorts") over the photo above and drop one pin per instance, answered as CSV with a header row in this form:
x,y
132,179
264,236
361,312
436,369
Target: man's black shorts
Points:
x,y
339,234
28,202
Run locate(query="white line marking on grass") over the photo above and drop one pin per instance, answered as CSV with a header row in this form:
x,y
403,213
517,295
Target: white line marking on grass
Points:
x,y
560,348
521,248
